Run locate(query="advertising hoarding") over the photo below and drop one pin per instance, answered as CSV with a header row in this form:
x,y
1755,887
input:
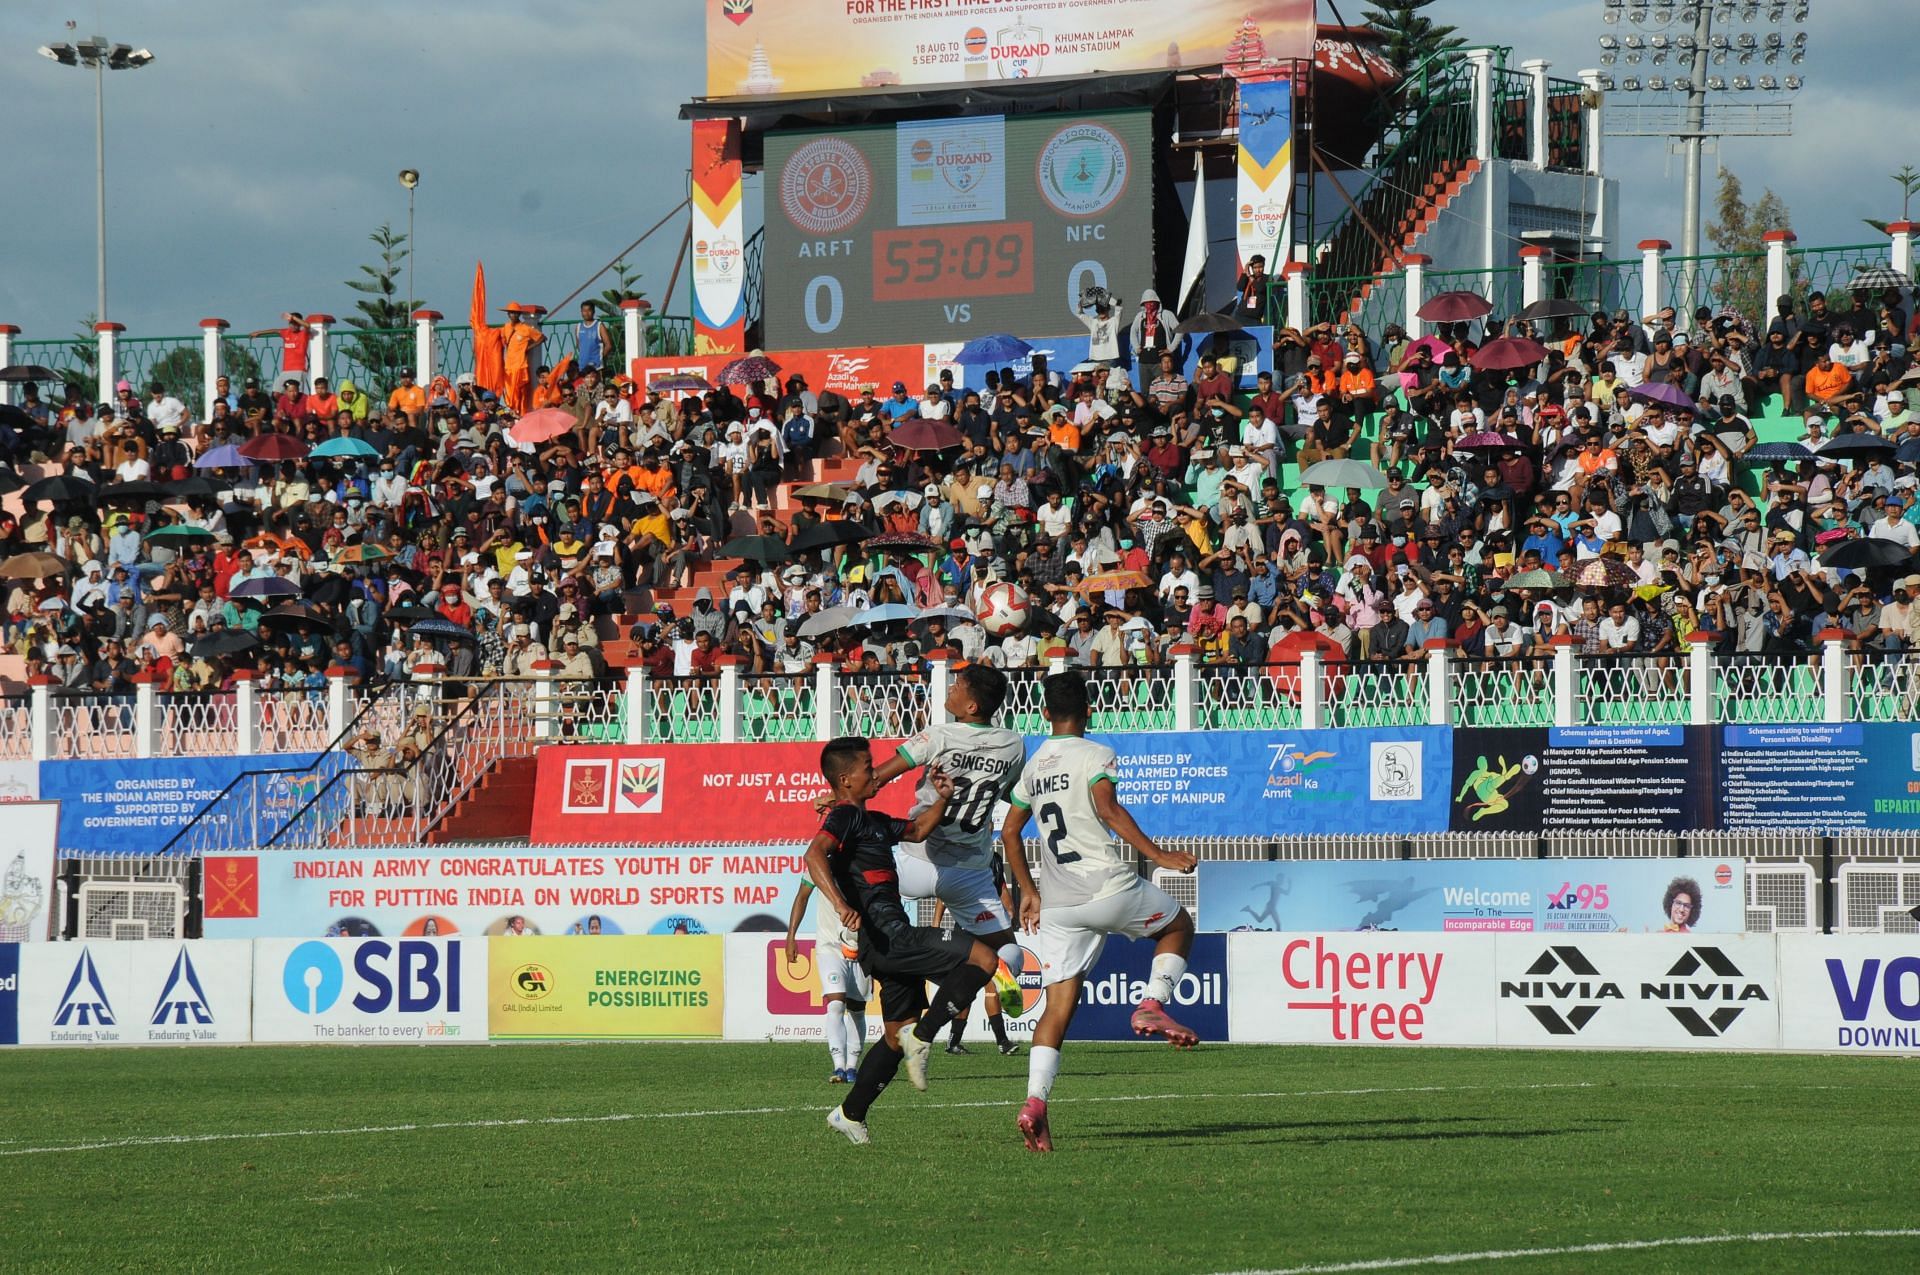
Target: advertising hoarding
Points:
x,y
615,987
1366,989
372,991
769,998
135,806
1540,779
1643,991
152,992
1855,993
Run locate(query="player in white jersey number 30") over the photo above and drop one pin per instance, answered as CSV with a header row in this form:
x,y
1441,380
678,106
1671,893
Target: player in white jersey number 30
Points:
x,y
1087,890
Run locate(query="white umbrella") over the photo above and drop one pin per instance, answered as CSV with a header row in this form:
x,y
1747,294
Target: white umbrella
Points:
x,y
831,620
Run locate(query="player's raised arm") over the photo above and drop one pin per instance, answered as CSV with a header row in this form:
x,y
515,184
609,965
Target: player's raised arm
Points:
x,y
1106,804
1013,847
921,826
823,844
793,918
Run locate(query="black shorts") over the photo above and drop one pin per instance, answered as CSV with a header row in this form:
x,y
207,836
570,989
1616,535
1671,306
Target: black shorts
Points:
x,y
906,960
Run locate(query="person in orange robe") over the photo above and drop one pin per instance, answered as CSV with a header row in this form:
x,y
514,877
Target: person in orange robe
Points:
x,y
556,388
521,338
489,343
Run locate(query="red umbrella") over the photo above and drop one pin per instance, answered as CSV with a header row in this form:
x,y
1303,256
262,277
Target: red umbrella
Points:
x,y
917,435
541,425
1508,353
1454,307
1487,439
274,447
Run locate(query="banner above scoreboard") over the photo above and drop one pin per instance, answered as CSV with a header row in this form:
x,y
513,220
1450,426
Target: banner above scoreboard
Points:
x,y
804,46
951,229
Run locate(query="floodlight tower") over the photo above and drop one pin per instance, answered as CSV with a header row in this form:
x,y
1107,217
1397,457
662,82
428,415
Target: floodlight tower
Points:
x,y
1775,33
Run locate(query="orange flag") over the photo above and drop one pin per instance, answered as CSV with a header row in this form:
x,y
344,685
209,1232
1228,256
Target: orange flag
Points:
x,y
489,343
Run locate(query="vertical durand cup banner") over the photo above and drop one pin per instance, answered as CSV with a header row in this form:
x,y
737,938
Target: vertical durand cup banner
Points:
x,y
719,252
1263,201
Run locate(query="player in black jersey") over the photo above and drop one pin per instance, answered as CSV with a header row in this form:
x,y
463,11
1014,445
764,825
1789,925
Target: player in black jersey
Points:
x,y
851,862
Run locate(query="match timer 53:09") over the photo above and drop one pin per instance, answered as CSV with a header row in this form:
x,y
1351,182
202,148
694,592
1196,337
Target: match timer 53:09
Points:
x,y
953,261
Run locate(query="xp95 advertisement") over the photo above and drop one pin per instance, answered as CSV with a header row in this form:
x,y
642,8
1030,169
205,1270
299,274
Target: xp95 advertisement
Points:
x,y
943,230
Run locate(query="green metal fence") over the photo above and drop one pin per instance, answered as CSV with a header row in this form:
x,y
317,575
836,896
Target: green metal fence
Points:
x,y
1828,269
1503,286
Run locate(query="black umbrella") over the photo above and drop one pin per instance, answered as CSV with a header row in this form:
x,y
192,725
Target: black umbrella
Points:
x,y
227,642
1211,321
16,418
191,488
133,493
1552,308
27,374
329,590
825,535
297,615
441,627
408,613
755,549
1856,445
10,482
1864,552
58,488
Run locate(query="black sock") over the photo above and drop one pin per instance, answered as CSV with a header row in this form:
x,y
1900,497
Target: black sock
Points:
x,y
958,1030
999,1024
951,999
876,1072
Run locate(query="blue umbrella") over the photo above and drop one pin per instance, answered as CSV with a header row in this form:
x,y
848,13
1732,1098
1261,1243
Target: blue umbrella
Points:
x,y
266,587
441,628
884,613
344,447
228,457
1776,453
1909,453
997,348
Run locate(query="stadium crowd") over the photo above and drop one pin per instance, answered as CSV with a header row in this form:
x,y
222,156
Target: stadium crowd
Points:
x,y
1612,489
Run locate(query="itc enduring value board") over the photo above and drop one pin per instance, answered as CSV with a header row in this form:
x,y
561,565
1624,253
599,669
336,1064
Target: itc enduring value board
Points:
x,y
955,228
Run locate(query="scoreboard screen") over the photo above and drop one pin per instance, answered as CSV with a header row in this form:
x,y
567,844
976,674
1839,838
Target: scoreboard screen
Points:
x,y
944,230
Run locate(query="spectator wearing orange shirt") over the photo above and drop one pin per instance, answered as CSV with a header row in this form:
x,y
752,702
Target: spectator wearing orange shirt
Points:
x,y
1356,386
1828,381
407,397
1061,429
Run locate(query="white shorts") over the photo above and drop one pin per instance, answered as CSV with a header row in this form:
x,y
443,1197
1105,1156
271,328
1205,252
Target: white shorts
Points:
x,y
969,893
1071,937
841,975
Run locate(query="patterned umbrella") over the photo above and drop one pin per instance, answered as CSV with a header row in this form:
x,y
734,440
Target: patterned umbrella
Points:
x,y
443,628
1605,572
1877,279
274,447
747,370
902,542
1775,453
1507,353
681,383
1103,581
1536,580
362,553
1485,439
1454,307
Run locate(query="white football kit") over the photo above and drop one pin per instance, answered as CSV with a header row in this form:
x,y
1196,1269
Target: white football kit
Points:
x,y
1088,888
955,862
836,952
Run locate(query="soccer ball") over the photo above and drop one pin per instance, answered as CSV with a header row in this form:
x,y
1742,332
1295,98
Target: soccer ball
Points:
x,y
1003,609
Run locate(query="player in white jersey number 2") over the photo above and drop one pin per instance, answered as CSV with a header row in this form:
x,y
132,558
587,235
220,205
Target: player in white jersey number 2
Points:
x,y
955,863
1087,890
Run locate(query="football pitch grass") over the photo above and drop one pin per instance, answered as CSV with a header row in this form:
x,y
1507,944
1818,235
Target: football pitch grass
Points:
x,y
716,1157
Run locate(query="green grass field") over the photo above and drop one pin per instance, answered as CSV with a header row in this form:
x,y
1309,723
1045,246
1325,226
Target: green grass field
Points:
x,y
715,1157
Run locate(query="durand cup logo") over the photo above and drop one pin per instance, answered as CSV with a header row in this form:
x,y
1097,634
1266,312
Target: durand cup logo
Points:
x,y
1560,975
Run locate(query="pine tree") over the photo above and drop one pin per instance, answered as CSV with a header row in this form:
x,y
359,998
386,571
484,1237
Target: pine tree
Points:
x,y
606,307
1740,283
381,343
1407,36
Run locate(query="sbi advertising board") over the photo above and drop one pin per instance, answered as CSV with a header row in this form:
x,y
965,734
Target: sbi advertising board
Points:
x,y
370,991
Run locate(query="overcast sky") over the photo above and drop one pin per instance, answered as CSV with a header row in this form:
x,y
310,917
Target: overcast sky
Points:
x,y
247,165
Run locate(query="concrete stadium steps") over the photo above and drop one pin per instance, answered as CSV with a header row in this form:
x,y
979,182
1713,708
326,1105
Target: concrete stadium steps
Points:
x,y
498,808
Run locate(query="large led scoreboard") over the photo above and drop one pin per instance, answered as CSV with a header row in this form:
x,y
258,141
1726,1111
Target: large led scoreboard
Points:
x,y
942,230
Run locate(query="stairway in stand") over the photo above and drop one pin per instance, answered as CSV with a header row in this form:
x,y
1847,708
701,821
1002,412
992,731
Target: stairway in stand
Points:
x,y
498,808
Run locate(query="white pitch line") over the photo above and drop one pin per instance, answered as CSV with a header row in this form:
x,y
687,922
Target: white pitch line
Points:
x,y
1616,1246
179,1139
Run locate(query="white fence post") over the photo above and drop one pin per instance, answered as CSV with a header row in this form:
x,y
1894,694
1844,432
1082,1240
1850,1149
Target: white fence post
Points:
x,y
632,311
826,715
1185,687
1439,684
1416,289
319,360
728,696
1481,60
1536,69
1833,674
8,331
1533,275
939,678
1566,681
246,715
1653,279
425,351
146,719
1899,249
1295,273
1700,683
546,699
40,718
339,704
1779,272
107,336
1590,133
212,362
1313,688
636,702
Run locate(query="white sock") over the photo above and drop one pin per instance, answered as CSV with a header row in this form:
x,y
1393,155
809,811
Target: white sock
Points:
x,y
1043,1064
1167,969
856,1032
1015,958
837,1033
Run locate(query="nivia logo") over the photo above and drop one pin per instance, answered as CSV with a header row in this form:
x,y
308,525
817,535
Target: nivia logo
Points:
x,y
84,1003
1708,976
313,977
182,1001
1545,995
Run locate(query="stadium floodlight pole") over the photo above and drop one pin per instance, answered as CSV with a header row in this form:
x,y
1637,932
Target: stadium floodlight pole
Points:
x,y
1690,124
100,57
410,178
